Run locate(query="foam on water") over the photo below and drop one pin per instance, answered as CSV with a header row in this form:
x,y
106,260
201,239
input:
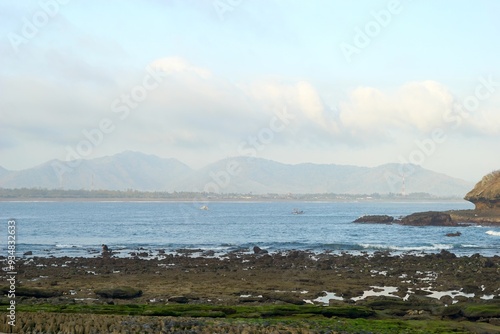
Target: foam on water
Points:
x,y
433,247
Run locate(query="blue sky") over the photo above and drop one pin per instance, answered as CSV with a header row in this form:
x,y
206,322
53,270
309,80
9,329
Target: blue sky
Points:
x,y
230,66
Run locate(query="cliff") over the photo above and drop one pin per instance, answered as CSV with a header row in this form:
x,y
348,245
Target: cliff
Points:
x,y
486,193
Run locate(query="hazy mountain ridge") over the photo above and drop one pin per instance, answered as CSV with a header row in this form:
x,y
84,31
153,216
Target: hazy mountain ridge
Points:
x,y
127,170
266,176
134,170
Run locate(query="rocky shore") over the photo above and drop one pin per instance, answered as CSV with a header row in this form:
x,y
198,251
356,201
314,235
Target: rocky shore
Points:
x,y
462,291
485,196
489,217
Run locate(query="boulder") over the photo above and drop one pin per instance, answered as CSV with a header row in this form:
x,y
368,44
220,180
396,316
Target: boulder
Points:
x,y
179,299
486,193
258,250
430,218
444,254
375,219
208,253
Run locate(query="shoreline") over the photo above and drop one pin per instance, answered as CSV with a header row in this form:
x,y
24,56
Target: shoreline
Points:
x,y
233,200
158,252
442,271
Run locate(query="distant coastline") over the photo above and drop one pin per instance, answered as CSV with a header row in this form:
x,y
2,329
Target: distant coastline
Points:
x,y
37,194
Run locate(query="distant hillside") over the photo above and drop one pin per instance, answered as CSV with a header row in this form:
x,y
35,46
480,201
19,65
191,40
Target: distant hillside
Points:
x,y
262,176
133,170
3,171
127,170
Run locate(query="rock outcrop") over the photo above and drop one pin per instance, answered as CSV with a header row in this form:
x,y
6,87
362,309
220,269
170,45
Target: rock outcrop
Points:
x,y
375,219
119,293
486,193
430,218
258,250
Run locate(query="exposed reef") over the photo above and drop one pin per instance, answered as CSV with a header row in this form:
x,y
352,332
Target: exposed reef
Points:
x,y
314,291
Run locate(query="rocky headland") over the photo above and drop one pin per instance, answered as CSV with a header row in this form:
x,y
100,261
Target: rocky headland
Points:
x,y
486,193
485,196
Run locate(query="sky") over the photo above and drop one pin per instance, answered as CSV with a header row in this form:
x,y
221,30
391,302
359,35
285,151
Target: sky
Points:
x,y
336,82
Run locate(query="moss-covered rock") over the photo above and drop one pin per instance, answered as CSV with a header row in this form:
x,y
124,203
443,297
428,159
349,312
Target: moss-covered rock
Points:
x,y
124,292
284,297
22,291
348,312
482,311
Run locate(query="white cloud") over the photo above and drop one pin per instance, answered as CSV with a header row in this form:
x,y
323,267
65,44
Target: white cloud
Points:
x,y
197,114
423,104
416,106
481,121
302,99
171,65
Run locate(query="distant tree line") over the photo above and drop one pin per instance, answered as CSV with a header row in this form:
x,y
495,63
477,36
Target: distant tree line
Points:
x,y
130,194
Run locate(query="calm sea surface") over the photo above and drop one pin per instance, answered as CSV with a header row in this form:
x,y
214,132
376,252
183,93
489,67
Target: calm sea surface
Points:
x,y
79,228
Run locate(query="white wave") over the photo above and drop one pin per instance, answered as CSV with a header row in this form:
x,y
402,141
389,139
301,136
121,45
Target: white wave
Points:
x,y
495,233
408,248
67,246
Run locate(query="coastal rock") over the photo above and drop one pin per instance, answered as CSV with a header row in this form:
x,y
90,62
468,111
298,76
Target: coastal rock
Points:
x,y
258,250
179,299
375,219
486,193
22,291
119,293
251,299
444,254
430,218
284,297
208,253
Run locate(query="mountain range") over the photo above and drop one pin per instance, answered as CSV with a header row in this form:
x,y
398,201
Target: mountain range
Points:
x,y
139,171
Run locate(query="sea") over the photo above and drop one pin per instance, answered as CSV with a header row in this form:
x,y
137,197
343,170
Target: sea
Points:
x,y
78,229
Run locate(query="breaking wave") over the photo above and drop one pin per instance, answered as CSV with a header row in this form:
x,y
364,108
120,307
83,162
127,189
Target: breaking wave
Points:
x,y
433,247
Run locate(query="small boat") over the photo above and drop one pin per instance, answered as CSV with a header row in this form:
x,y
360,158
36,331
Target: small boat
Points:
x,y
203,207
297,212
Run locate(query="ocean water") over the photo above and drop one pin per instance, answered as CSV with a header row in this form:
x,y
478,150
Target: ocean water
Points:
x,y
79,228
